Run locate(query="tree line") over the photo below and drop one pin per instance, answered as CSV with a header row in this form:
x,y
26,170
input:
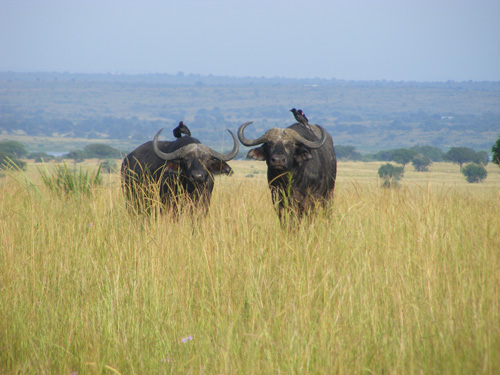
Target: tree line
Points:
x,y
475,171
11,152
421,157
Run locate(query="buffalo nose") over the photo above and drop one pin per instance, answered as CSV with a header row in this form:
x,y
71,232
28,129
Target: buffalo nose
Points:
x,y
278,160
198,176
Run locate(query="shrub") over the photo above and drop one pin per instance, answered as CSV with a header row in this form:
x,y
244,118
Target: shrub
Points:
x,y
390,174
77,155
14,149
495,150
65,181
433,153
8,160
481,157
40,157
101,151
421,163
347,153
474,172
403,156
109,166
459,155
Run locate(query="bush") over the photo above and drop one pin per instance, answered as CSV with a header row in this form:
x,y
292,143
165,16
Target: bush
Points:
x,y
40,157
109,166
390,174
14,149
65,180
481,157
77,155
459,155
402,156
9,160
347,153
495,150
421,163
433,153
101,151
474,172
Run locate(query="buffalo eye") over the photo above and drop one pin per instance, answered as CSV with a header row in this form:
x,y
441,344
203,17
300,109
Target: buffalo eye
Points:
x,y
289,146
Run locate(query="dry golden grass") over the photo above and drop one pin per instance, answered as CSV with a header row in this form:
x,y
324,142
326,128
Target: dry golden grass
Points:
x,y
398,281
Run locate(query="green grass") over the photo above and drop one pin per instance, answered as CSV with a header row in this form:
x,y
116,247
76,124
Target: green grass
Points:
x,y
398,281
64,180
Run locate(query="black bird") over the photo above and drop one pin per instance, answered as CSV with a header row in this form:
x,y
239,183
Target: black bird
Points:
x,y
300,117
181,129
303,115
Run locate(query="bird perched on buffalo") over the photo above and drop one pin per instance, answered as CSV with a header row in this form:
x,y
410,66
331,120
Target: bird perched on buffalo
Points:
x,y
181,129
300,117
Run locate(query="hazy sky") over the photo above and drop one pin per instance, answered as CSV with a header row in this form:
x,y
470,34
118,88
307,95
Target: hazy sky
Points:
x,y
422,40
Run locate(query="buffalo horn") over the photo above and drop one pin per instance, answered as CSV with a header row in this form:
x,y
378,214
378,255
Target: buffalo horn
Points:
x,y
292,133
179,153
250,142
230,155
311,144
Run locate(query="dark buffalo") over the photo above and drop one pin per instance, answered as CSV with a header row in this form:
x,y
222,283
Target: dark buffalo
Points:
x,y
177,172
301,165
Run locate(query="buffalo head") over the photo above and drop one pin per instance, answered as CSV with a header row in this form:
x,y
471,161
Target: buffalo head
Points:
x,y
182,171
281,148
301,164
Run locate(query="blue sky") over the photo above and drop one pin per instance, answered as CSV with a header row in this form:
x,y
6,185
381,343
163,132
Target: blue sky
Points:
x,y
420,40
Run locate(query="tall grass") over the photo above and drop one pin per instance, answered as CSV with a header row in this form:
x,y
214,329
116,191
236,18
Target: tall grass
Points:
x,y
64,180
402,281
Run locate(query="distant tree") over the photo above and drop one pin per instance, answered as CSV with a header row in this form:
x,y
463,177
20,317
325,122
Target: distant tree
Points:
x,y
4,159
433,153
390,174
403,156
421,163
385,155
13,148
495,150
109,166
347,153
40,157
76,155
459,155
8,160
474,172
481,157
101,151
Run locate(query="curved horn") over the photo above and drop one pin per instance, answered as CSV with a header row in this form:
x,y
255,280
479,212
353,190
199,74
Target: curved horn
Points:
x,y
311,144
230,155
190,147
250,142
167,156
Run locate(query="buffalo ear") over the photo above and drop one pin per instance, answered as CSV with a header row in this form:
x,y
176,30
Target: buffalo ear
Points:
x,y
226,169
220,167
172,166
302,154
257,154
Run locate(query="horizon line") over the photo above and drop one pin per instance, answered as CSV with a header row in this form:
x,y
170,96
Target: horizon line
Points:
x,y
181,74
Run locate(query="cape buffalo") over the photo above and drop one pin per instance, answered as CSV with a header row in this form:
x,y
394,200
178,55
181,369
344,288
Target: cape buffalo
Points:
x,y
301,165
178,172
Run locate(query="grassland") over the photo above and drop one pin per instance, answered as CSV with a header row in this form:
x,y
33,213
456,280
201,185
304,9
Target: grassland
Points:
x,y
385,281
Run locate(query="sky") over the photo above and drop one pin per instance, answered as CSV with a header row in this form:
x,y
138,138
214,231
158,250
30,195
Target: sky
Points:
x,y
395,40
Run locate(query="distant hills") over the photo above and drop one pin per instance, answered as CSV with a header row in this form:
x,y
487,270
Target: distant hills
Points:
x,y
52,110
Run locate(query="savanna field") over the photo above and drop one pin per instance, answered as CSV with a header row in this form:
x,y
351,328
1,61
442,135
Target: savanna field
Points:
x,y
384,281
